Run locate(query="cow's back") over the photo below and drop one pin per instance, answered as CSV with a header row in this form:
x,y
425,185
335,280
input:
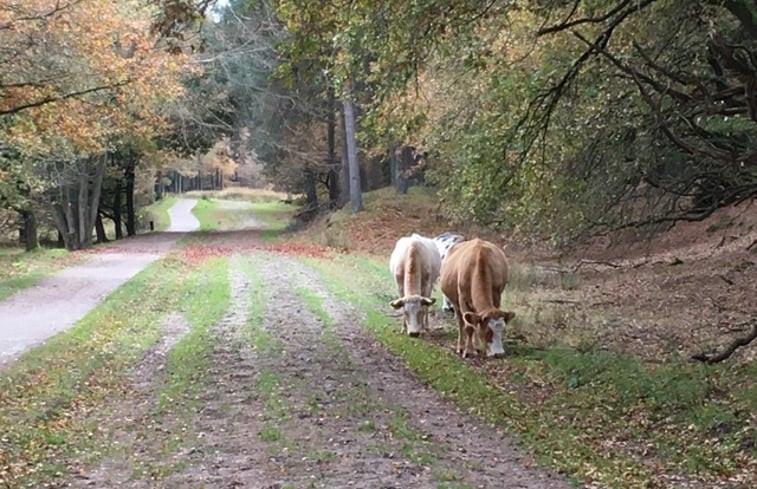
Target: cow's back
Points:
x,y
414,258
472,267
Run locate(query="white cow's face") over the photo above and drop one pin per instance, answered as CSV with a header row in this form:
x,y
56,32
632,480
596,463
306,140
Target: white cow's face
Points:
x,y
414,312
490,329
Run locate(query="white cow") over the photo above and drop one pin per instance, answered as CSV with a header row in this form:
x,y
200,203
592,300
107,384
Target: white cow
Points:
x,y
415,264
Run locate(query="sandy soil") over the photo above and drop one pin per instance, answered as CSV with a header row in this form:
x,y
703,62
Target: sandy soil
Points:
x,y
30,316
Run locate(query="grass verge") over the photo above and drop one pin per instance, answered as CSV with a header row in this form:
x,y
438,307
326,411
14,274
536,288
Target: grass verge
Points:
x,y
158,213
21,269
599,417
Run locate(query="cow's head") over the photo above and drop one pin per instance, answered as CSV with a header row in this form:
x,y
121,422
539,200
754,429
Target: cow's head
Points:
x,y
414,312
490,327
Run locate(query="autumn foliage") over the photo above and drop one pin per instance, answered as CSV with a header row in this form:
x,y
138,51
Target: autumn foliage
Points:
x,y
78,74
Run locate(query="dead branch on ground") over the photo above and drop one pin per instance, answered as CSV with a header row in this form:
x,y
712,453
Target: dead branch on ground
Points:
x,y
732,347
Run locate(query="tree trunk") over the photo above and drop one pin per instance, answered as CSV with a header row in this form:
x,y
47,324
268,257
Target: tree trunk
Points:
x,y
117,211
76,210
94,203
311,194
63,215
85,239
28,231
350,126
100,229
404,164
131,220
344,170
333,175
393,164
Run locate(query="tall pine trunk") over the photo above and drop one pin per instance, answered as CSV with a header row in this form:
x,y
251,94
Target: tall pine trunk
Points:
x,y
333,175
350,128
344,170
311,194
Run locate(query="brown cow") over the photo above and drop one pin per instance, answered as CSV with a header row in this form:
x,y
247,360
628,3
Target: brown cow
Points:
x,y
473,277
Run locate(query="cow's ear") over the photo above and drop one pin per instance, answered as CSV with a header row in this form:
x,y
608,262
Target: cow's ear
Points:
x,y
471,318
398,303
509,315
428,301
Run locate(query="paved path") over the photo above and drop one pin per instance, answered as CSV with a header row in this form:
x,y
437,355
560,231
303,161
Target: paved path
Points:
x,y
56,303
182,219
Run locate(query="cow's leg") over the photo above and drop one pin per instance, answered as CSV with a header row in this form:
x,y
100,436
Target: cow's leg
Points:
x,y
470,348
460,328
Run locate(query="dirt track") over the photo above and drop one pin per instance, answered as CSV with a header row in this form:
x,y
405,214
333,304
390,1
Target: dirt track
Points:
x,y
30,316
318,404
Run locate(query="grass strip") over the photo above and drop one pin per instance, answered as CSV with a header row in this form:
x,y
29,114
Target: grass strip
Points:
x,y
21,269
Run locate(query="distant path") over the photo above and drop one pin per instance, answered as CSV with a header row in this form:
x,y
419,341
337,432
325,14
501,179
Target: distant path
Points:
x,y
56,303
182,219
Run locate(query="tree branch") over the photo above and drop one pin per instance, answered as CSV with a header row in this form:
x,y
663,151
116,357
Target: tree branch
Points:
x,y
567,23
732,347
58,98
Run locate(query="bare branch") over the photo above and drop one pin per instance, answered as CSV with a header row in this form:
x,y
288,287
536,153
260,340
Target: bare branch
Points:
x,y
732,347
58,98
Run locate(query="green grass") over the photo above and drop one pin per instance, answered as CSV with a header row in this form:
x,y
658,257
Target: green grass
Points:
x,y
21,269
207,212
590,414
260,338
274,216
205,299
314,303
48,397
158,213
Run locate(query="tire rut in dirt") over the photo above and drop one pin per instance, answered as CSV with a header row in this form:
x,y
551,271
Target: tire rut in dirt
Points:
x,y
384,427
131,418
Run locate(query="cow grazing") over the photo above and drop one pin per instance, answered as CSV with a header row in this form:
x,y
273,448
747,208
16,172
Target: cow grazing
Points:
x,y
415,264
444,242
473,276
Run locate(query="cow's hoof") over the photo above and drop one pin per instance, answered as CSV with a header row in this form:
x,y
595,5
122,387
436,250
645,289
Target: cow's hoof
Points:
x,y
469,354
414,334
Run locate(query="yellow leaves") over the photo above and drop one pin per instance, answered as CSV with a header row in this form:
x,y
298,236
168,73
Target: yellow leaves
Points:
x,y
88,44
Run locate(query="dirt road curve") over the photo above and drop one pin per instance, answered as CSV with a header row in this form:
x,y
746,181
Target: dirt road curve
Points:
x,y
30,316
305,400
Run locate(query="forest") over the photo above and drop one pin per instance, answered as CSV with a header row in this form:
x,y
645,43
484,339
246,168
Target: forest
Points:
x,y
554,119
